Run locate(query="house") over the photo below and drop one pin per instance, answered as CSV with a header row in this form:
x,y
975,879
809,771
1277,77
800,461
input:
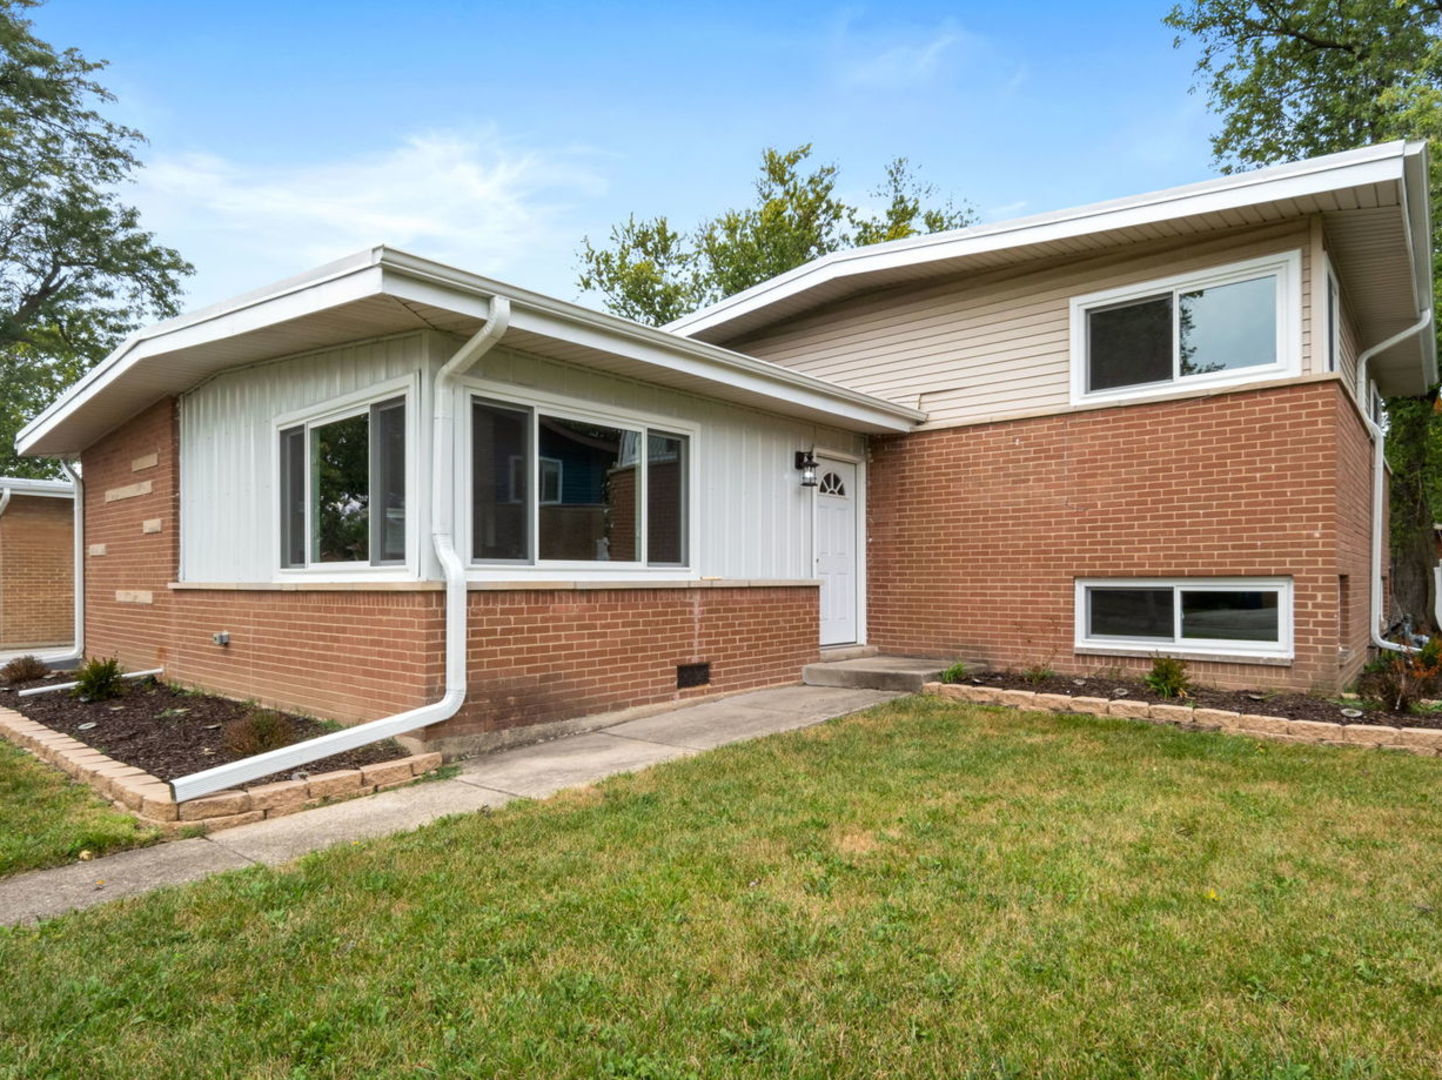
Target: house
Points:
x,y
1078,440
36,563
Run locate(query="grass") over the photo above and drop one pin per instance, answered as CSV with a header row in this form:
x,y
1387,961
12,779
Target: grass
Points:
x,y
927,889
47,819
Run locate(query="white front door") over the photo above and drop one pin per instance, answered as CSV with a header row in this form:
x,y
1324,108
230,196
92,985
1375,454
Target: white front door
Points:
x,y
836,549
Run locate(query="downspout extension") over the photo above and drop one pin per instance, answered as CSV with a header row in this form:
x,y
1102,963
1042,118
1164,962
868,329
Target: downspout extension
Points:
x,y
1379,462
443,435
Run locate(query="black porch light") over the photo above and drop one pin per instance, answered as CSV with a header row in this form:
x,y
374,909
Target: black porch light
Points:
x,y
806,466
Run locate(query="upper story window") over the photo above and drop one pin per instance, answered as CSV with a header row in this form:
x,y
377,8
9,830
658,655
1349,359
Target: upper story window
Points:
x,y
1233,324
343,488
555,486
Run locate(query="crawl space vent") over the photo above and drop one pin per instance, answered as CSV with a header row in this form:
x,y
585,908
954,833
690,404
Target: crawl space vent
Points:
x,y
692,675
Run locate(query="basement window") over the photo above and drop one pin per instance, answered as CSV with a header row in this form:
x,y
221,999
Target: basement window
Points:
x,y
343,488
1227,617
1234,324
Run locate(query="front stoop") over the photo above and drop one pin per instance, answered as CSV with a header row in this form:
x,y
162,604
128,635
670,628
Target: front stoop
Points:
x,y
904,673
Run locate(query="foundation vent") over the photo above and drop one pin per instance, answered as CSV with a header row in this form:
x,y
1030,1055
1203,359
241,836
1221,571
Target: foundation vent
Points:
x,y
688,675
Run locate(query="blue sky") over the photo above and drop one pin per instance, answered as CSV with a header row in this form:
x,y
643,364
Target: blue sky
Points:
x,y
496,136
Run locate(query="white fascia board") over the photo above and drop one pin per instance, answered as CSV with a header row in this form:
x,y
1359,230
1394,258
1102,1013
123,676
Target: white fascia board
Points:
x,y
1377,164
51,489
331,286
1416,190
431,283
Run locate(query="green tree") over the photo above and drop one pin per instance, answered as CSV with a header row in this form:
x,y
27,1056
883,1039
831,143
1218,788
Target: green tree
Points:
x,y
77,270
1297,78
652,273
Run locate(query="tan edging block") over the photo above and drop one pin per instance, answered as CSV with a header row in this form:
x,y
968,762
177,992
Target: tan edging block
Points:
x,y
148,461
1424,741
150,525
134,596
129,491
150,798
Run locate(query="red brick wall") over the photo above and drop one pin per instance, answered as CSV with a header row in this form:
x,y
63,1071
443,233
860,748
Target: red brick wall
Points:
x,y
977,533
541,654
36,567
534,655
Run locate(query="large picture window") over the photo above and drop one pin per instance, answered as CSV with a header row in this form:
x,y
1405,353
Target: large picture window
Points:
x,y
1228,325
547,487
343,488
1214,616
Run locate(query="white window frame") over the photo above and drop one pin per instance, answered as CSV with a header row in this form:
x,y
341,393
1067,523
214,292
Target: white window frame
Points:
x,y
1287,267
1179,646
406,387
1332,297
565,408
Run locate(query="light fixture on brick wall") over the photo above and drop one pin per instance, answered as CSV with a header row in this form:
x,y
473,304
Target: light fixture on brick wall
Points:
x,y
806,466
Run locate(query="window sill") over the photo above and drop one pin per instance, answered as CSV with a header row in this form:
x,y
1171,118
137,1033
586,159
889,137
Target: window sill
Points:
x,y
1200,657
483,586
643,583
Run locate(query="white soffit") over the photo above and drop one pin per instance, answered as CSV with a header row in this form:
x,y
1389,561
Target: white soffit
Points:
x,y
383,291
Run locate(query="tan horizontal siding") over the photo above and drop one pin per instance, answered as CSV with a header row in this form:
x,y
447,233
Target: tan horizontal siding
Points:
x,y
997,342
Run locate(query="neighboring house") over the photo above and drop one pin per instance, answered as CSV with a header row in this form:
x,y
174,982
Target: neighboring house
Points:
x,y
36,563
1075,440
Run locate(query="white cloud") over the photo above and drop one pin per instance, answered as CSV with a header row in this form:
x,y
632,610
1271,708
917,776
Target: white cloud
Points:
x,y
892,58
468,198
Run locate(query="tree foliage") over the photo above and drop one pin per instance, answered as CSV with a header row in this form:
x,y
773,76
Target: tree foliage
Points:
x,y
77,269
1297,78
650,272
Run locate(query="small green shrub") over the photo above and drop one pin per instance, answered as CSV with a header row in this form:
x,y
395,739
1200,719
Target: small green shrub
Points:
x,y
1037,673
258,731
98,680
23,669
1169,677
955,673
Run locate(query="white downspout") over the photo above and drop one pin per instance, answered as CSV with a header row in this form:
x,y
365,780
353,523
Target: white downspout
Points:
x,y
77,577
1379,463
4,498
443,496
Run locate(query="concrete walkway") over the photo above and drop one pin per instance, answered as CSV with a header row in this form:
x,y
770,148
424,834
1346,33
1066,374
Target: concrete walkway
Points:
x,y
531,772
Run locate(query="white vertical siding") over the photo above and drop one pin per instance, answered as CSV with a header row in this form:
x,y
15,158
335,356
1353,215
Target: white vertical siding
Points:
x,y
754,517
228,492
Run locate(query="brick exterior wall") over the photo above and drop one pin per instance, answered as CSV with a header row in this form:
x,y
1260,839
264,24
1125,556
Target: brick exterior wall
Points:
x,y
535,655
977,533
37,560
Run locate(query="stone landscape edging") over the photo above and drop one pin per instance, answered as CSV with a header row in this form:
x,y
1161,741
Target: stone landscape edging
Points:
x,y
149,798
1425,741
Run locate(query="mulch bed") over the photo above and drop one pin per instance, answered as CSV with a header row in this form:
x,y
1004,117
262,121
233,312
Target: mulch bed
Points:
x,y
169,732
1292,706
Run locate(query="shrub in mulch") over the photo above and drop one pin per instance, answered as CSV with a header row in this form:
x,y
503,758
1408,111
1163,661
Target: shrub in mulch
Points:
x,y
1374,704
23,669
170,732
258,731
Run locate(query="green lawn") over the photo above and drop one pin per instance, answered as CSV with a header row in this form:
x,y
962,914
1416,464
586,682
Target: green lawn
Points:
x,y
47,819
926,889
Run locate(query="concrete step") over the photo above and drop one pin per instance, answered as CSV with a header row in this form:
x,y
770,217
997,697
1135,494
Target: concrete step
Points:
x,y
904,673
831,653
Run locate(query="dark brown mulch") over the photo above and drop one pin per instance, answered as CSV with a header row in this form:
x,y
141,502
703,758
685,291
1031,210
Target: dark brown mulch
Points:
x,y
169,732
1291,706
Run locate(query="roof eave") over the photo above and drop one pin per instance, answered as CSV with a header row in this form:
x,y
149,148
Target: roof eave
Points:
x,y
1387,161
